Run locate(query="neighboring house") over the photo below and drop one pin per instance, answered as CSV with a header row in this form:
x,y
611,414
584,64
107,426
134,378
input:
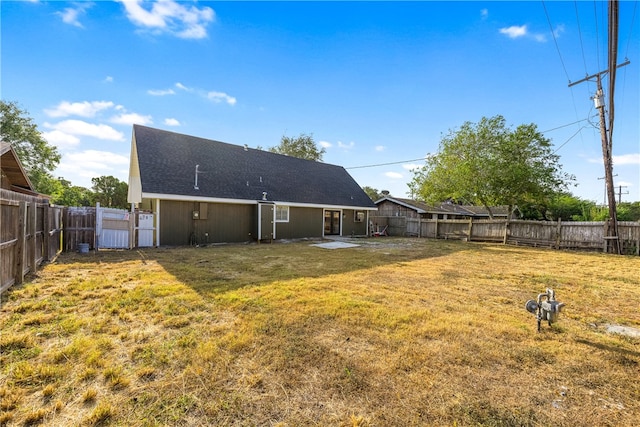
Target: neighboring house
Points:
x,y
204,191
394,206
13,177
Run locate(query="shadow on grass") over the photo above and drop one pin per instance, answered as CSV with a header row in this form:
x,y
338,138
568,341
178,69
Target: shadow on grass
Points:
x,y
222,268
609,348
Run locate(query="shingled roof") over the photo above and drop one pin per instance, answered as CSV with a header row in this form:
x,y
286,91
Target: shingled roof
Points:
x,y
167,161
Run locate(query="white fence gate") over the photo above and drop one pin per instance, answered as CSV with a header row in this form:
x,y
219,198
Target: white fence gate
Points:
x,y
112,228
145,230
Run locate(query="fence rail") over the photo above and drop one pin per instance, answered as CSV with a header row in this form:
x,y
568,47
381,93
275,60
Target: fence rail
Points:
x,y
590,236
30,233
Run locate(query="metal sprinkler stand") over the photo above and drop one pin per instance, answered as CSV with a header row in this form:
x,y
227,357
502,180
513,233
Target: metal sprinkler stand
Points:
x,y
545,310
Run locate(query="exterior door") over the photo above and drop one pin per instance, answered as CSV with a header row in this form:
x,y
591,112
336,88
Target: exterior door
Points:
x,y
266,221
145,230
332,223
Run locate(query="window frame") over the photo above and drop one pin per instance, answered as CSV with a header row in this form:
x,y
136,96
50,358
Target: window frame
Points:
x,y
279,210
359,213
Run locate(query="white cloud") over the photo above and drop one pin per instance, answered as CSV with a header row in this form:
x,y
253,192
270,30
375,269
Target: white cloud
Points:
x,y
626,159
60,139
171,122
97,159
79,167
412,166
221,97
484,13
379,148
82,109
514,31
325,144
348,146
183,87
169,16
82,128
71,15
108,79
131,118
161,92
393,175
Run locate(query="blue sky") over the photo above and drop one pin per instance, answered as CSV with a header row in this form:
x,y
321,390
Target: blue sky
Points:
x,y
374,82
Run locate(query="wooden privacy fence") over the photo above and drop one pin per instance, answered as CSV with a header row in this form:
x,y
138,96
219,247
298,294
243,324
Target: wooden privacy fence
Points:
x,y
30,233
557,235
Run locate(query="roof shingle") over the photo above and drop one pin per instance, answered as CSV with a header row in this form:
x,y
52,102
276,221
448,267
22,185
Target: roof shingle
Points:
x,y
168,160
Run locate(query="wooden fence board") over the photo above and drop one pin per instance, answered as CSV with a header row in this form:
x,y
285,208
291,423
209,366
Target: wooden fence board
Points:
x,y
24,228
589,236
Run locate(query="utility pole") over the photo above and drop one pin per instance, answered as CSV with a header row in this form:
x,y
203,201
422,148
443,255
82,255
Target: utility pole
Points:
x,y
612,231
620,193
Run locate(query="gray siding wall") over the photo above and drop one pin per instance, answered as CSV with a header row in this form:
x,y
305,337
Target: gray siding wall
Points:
x,y
349,225
303,222
217,223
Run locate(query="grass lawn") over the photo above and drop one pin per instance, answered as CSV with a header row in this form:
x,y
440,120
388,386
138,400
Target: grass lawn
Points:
x,y
395,332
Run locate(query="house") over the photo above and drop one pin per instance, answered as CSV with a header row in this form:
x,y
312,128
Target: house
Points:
x,y
395,206
204,191
13,177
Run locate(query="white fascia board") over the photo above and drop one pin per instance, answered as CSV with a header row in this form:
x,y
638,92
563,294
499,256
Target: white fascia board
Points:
x,y
183,198
313,205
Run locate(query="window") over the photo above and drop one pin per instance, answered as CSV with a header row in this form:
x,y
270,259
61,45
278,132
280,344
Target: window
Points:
x,y
358,216
282,213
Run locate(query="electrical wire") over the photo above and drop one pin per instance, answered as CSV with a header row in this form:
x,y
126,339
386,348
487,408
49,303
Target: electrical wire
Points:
x,y
385,164
555,40
584,59
633,20
423,158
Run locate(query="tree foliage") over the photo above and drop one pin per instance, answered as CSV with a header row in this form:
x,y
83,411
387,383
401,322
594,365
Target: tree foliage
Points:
x,y
72,195
373,193
489,164
110,192
37,156
303,146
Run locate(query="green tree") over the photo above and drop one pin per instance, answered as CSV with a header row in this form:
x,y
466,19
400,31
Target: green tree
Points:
x,y
302,146
488,164
72,195
629,211
373,193
38,157
110,192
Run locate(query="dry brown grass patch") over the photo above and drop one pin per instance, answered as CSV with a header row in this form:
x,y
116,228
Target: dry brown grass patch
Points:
x,y
395,332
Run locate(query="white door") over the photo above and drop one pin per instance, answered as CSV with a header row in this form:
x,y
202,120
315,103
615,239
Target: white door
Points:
x,y
145,230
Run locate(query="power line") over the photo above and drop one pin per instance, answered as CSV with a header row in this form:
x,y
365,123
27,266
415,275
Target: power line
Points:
x,y
553,33
564,126
584,59
422,158
385,164
633,19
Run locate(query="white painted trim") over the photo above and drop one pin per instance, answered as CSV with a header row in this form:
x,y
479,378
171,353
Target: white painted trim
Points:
x,y
157,222
183,198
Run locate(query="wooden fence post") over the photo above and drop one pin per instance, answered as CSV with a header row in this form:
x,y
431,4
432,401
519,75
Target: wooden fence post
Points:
x,y
33,225
19,251
506,231
470,228
45,233
558,233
